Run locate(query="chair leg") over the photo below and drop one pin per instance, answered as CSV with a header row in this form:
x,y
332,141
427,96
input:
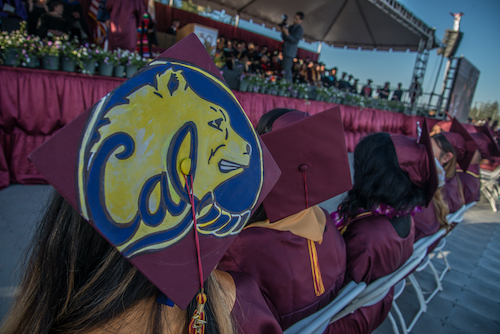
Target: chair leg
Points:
x,y
400,316
490,199
447,265
421,301
439,286
393,322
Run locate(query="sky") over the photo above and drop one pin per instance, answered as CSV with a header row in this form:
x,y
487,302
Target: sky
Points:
x,y
480,45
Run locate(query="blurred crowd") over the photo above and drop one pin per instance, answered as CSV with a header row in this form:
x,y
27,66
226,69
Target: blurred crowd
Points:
x,y
248,57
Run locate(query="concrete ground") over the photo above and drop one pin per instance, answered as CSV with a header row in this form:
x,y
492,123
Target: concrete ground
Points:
x,y
469,302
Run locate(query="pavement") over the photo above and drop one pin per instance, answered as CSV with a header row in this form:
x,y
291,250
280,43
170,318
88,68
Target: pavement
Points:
x,y
469,302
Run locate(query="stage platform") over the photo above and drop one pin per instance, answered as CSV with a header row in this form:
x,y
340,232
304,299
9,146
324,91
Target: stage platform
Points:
x,y
36,103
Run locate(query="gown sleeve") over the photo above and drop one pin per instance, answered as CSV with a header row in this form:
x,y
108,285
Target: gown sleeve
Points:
x,y
250,311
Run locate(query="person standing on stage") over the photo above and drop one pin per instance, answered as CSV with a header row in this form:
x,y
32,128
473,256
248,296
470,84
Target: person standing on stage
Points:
x,y
291,36
125,17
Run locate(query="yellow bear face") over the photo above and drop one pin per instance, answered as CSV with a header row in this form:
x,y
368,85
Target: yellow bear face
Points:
x,y
130,162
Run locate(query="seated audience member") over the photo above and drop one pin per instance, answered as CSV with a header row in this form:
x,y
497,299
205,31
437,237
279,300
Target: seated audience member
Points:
x,y
229,54
433,217
393,176
275,65
290,246
487,148
396,96
73,13
175,27
128,269
343,84
12,13
53,22
384,92
301,75
35,10
354,87
366,91
349,85
462,146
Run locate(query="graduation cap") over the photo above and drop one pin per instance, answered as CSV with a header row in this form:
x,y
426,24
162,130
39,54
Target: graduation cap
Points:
x,y
465,146
167,167
417,159
312,156
485,139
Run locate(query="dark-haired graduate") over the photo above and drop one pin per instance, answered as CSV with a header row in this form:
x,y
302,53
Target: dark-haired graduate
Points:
x,y
290,246
393,176
153,184
452,148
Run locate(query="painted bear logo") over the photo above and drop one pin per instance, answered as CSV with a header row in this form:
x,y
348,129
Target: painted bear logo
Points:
x,y
130,182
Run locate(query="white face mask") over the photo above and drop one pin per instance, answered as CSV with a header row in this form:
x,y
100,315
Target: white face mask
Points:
x,y
441,173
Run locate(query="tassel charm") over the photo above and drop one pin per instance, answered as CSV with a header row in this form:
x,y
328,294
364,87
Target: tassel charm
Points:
x,y
198,320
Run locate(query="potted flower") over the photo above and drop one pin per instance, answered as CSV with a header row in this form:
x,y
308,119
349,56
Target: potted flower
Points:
x,y
134,63
30,51
106,61
322,94
302,90
283,86
89,58
70,54
272,86
120,58
50,52
10,45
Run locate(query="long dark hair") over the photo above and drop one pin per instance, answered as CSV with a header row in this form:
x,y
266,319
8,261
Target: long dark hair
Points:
x,y
378,179
265,124
75,281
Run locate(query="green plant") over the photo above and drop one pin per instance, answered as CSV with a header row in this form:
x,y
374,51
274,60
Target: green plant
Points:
x,y
51,46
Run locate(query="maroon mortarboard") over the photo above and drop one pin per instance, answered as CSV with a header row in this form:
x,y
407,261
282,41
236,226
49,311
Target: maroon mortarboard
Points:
x,y
465,146
170,138
489,146
312,156
417,159
483,143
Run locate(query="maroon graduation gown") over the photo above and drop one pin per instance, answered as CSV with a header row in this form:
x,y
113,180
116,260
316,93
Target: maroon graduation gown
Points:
x,y
280,263
471,183
374,250
426,222
125,16
250,311
452,194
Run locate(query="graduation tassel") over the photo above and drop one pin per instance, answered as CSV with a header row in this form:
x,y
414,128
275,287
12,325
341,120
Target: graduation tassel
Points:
x,y
198,320
319,288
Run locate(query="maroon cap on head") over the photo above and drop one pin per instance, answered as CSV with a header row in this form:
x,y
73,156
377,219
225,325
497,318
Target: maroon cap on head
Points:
x,y
312,156
482,142
465,146
122,164
417,159
493,149
289,118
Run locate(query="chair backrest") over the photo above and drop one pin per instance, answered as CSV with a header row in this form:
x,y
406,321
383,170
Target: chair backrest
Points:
x,y
378,289
427,241
455,216
489,175
318,321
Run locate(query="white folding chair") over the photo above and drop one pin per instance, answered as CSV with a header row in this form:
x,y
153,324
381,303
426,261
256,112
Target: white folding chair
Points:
x,y
489,186
398,290
419,247
378,289
317,322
